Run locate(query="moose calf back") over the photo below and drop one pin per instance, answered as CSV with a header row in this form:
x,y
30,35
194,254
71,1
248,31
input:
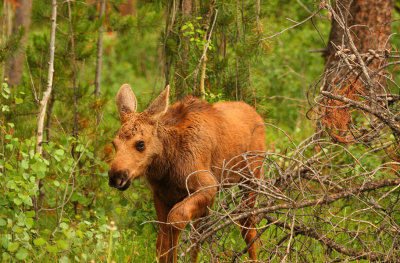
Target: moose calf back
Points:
x,y
241,130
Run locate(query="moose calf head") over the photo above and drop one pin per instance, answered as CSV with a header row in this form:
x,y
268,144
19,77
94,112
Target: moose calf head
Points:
x,y
137,142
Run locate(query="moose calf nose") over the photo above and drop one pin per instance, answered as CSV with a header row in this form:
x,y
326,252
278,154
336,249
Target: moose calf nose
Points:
x,y
116,178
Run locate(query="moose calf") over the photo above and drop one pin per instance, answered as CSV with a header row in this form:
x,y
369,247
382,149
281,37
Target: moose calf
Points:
x,y
180,149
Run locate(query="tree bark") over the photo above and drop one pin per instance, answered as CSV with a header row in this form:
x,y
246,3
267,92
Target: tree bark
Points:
x,y
187,8
49,113
99,58
22,19
75,127
203,59
369,23
182,64
49,86
127,7
358,46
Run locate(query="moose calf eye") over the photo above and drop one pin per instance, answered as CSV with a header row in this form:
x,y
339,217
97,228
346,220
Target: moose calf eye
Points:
x,y
140,146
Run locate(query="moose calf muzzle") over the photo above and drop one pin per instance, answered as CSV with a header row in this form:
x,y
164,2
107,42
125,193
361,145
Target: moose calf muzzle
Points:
x,y
119,179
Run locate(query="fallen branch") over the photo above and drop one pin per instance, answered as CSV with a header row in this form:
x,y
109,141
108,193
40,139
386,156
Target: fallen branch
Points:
x,y
324,200
305,231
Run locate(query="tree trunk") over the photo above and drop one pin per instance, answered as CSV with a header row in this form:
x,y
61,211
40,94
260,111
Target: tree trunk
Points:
x,y
99,59
182,63
358,46
45,99
187,8
49,113
22,19
47,93
127,7
369,23
99,56
75,127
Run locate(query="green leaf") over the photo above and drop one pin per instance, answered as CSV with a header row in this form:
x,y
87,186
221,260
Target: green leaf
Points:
x,y
29,222
13,246
9,147
30,213
59,152
18,100
11,184
79,233
56,183
3,222
39,241
28,201
61,244
6,256
52,249
80,148
5,108
9,167
24,164
64,259
135,195
21,254
17,201
39,168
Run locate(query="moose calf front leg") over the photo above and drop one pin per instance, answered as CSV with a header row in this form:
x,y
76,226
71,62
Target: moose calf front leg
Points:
x,y
192,207
164,238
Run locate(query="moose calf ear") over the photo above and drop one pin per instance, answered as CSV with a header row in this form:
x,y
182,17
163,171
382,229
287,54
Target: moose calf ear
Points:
x,y
126,101
160,104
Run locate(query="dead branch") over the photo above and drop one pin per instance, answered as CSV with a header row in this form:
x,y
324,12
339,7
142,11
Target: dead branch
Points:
x,y
303,230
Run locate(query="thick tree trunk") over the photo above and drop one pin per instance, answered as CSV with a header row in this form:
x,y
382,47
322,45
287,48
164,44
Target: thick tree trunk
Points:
x,y
369,23
358,46
22,19
127,7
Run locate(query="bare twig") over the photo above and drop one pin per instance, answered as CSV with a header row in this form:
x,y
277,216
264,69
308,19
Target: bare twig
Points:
x,y
293,26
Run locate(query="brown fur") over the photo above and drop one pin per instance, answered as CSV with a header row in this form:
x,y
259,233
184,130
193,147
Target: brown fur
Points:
x,y
186,137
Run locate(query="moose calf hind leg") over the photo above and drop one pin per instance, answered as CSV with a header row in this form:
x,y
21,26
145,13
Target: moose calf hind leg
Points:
x,y
249,234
